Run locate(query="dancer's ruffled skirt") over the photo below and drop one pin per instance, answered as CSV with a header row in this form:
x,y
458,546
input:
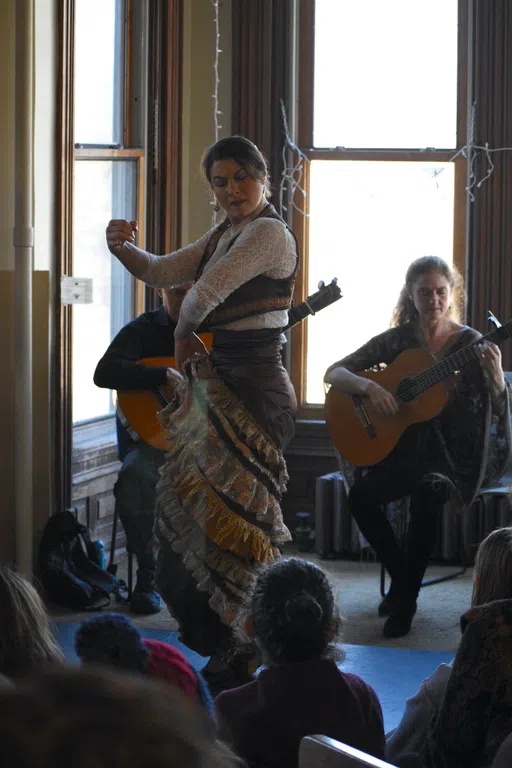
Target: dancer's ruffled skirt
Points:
x,y
219,517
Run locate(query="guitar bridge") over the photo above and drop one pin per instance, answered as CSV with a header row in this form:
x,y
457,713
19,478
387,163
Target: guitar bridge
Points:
x,y
364,419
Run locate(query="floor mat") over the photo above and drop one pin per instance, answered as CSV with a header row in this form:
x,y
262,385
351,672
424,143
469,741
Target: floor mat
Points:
x,y
394,673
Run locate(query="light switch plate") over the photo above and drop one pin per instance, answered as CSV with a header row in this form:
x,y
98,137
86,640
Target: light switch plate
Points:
x,y
75,290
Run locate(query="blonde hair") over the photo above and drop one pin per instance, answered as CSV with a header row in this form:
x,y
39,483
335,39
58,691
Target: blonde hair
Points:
x,y
405,311
26,639
493,568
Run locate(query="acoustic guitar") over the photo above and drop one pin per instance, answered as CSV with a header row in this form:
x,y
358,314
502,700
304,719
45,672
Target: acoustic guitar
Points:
x,y
140,407
420,386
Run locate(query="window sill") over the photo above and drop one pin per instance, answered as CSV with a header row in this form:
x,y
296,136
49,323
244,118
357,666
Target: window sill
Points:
x,y
311,439
94,447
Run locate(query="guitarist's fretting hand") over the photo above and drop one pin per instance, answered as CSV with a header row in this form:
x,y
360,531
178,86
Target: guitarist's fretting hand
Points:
x,y
491,361
382,400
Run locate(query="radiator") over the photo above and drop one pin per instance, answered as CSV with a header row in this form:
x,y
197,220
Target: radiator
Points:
x,y
459,532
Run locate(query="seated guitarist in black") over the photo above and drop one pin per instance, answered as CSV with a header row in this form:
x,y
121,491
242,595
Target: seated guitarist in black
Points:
x,y
149,335
466,447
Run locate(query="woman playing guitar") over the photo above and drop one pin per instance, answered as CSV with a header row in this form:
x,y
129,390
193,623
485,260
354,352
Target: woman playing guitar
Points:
x,y
465,447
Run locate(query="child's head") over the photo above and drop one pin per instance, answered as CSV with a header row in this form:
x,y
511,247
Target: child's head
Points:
x,y
293,613
493,568
26,639
98,718
112,640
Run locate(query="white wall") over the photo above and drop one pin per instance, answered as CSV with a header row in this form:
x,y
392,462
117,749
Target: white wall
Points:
x,y
44,132
7,35
45,168
45,180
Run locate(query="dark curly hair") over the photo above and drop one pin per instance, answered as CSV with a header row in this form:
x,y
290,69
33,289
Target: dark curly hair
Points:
x,y
242,151
294,613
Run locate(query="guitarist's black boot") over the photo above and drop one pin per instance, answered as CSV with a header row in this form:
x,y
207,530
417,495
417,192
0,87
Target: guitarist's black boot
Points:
x,y
426,505
145,600
390,601
400,620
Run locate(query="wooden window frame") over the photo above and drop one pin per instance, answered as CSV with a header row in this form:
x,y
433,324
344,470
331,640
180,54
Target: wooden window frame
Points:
x,y
139,155
162,115
108,152
306,43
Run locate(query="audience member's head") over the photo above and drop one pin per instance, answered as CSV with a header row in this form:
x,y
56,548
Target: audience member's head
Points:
x,y
98,718
111,639
493,568
26,639
293,614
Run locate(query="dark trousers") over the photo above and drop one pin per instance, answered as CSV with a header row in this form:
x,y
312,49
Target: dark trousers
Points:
x,y
135,495
368,499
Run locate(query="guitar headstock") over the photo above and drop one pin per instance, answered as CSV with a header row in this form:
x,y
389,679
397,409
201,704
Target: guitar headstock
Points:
x,y
326,295
500,333
504,331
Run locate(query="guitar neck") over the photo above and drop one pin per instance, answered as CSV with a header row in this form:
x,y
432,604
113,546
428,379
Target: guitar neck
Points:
x,y
459,359
297,314
324,297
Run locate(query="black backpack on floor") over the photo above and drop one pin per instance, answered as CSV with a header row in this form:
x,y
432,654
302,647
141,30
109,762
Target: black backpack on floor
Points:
x,y
69,566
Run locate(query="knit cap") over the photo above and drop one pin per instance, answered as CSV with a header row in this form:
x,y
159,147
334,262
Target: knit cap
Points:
x,y
112,639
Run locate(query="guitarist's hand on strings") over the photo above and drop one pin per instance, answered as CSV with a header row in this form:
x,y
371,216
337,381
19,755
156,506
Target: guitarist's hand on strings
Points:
x,y
382,400
184,349
350,383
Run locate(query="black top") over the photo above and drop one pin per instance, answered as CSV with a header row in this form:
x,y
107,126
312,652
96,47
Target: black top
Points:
x,y
149,335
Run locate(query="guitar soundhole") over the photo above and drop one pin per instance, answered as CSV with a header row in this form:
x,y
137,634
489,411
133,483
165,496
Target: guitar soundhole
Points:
x,y
407,391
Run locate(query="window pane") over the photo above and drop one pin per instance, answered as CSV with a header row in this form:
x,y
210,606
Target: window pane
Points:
x,y
104,190
368,222
385,74
98,102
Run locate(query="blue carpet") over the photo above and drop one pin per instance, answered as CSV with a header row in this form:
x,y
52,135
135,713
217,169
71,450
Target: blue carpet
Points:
x,y
394,673
66,632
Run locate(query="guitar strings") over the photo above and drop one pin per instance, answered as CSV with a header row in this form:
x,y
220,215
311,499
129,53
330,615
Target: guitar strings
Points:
x,y
411,388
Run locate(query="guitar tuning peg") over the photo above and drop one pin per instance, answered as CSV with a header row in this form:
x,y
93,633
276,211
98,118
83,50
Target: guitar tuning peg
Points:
x,y
334,281
321,285
493,319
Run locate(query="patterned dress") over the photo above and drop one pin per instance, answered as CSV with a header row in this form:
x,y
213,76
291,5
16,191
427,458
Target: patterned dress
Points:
x,y
219,516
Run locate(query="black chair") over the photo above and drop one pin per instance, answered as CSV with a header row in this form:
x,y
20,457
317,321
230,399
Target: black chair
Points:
x,y
463,549
475,522
491,509
324,752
